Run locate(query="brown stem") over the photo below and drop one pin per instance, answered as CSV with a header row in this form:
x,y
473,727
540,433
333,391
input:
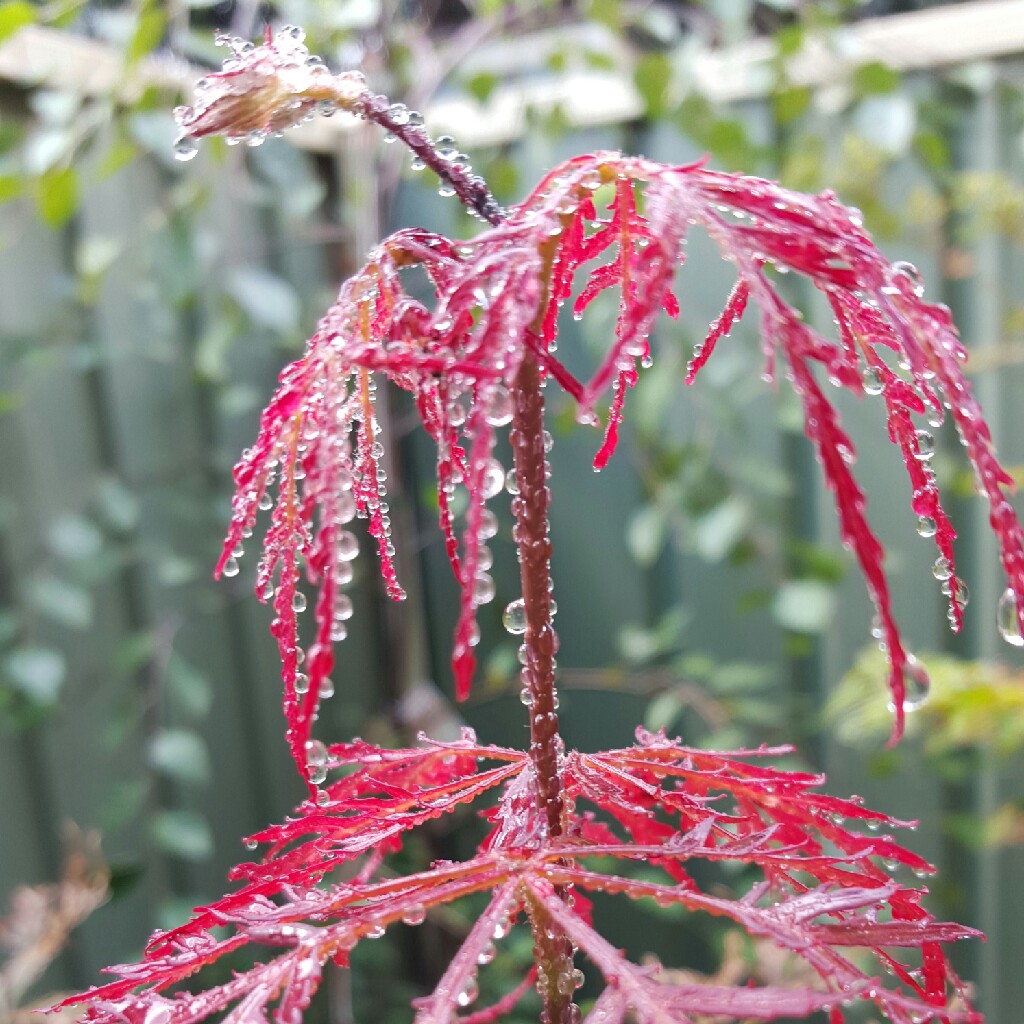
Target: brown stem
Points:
x,y
553,950
470,188
534,549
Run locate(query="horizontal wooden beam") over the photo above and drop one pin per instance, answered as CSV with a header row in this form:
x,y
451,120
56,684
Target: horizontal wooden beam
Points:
x,y
934,38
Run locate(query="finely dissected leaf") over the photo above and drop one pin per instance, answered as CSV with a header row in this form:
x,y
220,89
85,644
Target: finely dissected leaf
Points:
x,y
497,298
826,898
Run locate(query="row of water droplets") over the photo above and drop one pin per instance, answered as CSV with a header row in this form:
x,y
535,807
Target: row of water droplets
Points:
x,y
916,678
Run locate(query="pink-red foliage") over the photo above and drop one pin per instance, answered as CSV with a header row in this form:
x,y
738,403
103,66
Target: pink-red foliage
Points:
x,y
498,296
822,895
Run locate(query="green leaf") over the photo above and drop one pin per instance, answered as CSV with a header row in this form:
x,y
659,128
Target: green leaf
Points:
x,y
607,12
15,14
123,801
790,103
652,76
932,149
720,530
11,186
188,690
789,40
10,624
804,606
61,601
74,538
481,85
875,77
37,672
645,535
663,710
148,33
121,153
117,504
57,196
266,298
182,833
180,754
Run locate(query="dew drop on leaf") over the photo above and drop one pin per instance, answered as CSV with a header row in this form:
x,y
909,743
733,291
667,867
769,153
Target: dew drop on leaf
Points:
x,y
230,567
872,379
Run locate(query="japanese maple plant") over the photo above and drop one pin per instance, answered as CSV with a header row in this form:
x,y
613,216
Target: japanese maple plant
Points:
x,y
478,359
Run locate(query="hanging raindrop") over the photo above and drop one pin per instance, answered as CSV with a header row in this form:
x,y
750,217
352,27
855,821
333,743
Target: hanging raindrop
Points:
x,y
1007,621
925,445
185,149
917,685
926,526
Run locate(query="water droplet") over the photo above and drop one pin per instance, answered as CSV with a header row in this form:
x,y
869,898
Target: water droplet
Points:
x,y
942,570
486,954
375,931
301,682
291,32
316,773
398,113
469,993
500,410
1006,619
416,164
526,696
925,446
488,524
963,595
326,688
511,483
926,526
565,984
917,685
348,546
251,844
493,478
908,270
415,118
872,381
414,915
445,189
483,589
185,149
514,617
230,567
446,147
323,798
299,601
